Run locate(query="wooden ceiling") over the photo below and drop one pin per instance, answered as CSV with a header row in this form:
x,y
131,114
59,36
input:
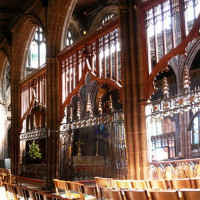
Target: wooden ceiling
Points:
x,y
10,12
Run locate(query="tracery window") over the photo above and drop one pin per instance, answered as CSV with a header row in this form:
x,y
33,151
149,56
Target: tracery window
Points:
x,y
69,39
37,50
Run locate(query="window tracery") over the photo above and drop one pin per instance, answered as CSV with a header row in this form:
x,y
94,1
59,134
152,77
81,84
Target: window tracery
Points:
x,y
69,38
37,50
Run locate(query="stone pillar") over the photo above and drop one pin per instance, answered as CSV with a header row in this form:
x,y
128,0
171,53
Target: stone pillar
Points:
x,y
133,91
15,125
52,92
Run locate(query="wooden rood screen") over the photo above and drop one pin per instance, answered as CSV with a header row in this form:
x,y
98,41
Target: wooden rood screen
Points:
x,y
168,26
97,54
33,88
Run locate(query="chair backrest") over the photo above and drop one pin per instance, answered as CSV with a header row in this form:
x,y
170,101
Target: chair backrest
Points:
x,y
89,190
192,194
60,184
135,194
180,183
113,184
158,184
164,195
139,184
196,182
124,184
17,191
43,196
29,194
102,192
7,175
102,182
113,194
74,190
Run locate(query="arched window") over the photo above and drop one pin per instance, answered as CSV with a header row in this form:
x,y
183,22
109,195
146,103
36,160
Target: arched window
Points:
x,y
195,135
69,39
37,50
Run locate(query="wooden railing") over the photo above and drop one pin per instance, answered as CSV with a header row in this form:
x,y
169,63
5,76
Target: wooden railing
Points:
x,y
97,54
33,88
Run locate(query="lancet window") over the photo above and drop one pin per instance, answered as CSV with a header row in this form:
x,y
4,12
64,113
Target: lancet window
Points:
x,y
37,50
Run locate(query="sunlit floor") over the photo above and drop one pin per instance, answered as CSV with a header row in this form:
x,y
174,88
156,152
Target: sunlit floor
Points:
x,y
2,193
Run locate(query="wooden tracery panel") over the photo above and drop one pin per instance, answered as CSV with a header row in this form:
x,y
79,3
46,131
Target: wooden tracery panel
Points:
x,y
167,23
98,54
168,27
33,88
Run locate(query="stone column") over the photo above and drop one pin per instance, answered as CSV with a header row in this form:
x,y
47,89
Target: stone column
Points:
x,y
53,107
15,125
133,91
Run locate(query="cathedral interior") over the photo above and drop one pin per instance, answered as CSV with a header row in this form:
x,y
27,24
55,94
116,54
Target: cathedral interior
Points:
x,y
100,88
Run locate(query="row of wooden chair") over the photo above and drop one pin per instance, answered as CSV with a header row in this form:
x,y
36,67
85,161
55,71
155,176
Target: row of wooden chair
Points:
x,y
191,194
149,184
75,190
15,192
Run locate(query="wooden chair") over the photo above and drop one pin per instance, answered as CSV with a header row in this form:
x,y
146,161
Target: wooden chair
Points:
x,y
61,185
89,192
56,197
164,195
17,192
105,182
101,184
74,190
180,183
158,184
8,177
29,194
113,184
43,196
135,194
9,192
124,184
139,184
191,194
1,176
102,192
196,182
113,194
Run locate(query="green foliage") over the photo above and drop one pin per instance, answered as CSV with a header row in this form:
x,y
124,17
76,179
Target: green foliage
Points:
x,y
34,151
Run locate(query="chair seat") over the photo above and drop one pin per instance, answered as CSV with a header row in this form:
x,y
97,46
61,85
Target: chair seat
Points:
x,y
63,196
89,197
74,196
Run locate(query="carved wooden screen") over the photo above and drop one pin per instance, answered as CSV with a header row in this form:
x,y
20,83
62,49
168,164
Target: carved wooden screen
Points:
x,y
97,54
167,23
33,88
